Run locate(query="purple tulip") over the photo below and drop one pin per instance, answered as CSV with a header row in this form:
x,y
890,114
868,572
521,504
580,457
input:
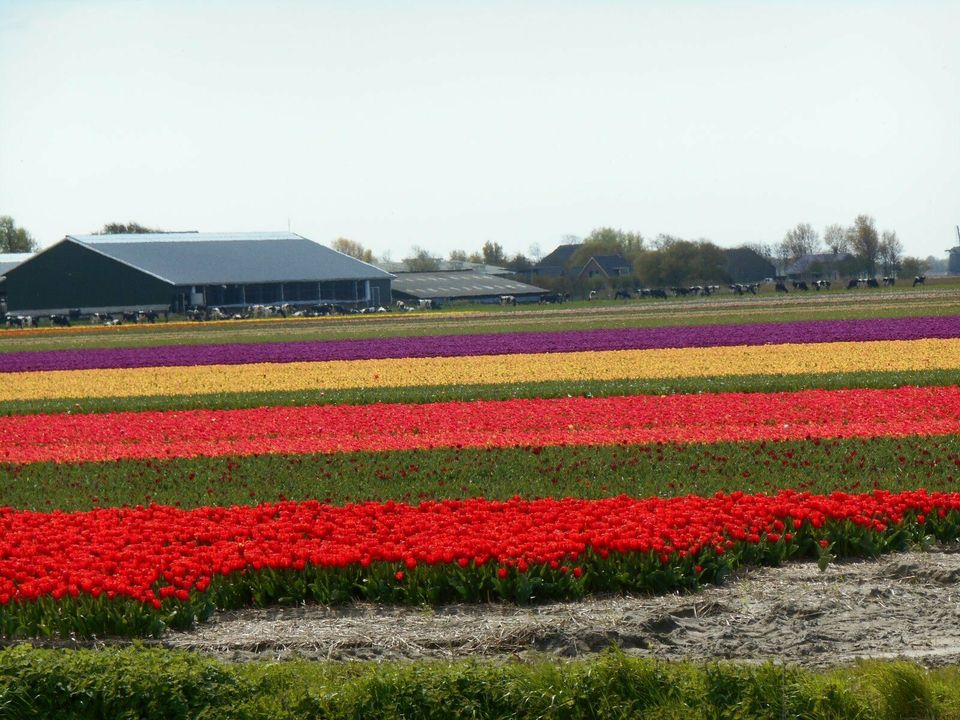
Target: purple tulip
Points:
x,y
807,331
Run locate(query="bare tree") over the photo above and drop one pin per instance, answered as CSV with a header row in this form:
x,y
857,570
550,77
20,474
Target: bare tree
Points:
x,y
835,238
865,241
890,251
764,250
801,240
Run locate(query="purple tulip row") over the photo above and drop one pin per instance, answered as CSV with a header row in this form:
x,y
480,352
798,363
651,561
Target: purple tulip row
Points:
x,y
809,331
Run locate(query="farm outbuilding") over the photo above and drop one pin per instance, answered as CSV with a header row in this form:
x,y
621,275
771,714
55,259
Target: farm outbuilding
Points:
x,y
8,261
158,271
464,285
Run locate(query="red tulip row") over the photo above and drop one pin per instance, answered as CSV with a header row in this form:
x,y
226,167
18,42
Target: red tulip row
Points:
x,y
704,417
160,558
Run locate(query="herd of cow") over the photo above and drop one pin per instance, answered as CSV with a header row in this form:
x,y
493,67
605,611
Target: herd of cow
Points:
x,y
203,312
754,288
324,309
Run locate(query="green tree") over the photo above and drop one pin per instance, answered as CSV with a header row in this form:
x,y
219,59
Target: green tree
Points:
x,y
913,266
493,254
608,241
14,239
865,241
518,263
679,263
353,249
130,228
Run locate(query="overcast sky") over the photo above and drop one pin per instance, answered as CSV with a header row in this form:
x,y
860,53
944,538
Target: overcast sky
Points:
x,y
447,124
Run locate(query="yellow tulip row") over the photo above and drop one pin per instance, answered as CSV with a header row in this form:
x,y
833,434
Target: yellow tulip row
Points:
x,y
789,359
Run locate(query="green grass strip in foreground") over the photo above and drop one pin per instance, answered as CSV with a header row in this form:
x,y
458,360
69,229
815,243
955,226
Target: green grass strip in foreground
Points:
x,y
153,683
852,465
443,393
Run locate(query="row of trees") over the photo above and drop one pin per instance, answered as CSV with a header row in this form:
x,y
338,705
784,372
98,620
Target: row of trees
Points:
x,y
666,261
421,260
872,250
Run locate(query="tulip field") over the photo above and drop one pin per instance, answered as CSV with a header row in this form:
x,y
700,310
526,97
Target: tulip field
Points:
x,y
151,477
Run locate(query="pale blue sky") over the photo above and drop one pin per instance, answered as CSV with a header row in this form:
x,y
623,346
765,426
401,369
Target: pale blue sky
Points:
x,y
447,124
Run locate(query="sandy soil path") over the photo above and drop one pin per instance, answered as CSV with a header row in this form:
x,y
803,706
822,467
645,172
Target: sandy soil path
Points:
x,y
905,605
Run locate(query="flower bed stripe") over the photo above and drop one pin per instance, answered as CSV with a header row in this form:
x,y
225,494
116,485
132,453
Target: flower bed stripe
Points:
x,y
537,422
839,357
811,331
149,554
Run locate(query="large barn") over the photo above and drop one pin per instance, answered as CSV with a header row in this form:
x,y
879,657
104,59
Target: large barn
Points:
x,y
157,271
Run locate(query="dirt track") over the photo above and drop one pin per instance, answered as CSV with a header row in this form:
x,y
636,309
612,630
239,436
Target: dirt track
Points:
x,y
905,605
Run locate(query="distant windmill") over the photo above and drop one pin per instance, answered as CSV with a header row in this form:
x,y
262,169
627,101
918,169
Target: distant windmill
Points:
x,y
953,264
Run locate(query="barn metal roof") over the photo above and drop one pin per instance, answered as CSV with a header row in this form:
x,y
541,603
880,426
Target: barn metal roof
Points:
x,y
231,258
461,284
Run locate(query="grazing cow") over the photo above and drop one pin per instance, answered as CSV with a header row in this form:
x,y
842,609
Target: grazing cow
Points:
x,y
872,282
19,321
61,320
800,285
781,287
853,284
654,293
554,298
622,295
508,300
889,280
919,280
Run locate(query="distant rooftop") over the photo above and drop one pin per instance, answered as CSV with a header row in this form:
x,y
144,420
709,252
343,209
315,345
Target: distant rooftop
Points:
x,y
560,256
394,266
459,284
8,261
803,263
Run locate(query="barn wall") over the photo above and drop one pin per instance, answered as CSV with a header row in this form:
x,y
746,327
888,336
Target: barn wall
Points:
x,y
381,288
70,276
